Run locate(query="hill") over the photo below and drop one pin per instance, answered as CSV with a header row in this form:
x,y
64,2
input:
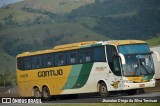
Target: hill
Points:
x,y
40,37
154,41
123,19
116,19
53,6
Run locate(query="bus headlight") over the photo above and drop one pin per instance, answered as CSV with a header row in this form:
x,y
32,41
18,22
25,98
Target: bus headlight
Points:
x,y
128,81
152,79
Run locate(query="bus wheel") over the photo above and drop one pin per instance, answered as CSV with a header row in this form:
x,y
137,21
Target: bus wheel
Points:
x,y
46,94
103,90
37,93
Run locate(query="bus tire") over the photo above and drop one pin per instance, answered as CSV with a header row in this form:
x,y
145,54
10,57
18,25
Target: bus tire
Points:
x,y
103,90
37,93
46,94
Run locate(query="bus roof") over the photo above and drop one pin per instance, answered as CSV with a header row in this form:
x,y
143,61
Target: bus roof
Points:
x,y
123,42
73,46
64,47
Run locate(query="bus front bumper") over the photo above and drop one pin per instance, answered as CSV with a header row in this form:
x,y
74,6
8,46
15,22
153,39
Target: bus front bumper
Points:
x,y
131,85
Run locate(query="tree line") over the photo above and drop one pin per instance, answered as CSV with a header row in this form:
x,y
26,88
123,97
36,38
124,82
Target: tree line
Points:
x,y
7,79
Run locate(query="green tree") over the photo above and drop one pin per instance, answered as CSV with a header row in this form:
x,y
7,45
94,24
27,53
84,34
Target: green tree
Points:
x,y
1,79
6,77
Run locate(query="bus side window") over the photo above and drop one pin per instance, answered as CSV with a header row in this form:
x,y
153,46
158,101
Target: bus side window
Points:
x,y
48,60
85,56
72,57
36,62
49,63
99,54
39,61
80,57
88,55
60,59
20,63
117,68
111,51
27,63
33,62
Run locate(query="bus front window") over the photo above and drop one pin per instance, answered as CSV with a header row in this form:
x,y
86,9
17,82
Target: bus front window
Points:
x,y
138,65
138,60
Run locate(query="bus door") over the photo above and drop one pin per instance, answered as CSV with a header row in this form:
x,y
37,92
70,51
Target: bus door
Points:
x,y
114,62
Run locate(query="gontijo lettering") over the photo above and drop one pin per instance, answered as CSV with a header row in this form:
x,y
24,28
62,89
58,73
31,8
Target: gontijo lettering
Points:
x,y
50,73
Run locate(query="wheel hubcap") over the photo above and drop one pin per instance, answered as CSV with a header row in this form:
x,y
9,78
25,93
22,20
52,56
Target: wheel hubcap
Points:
x,y
103,89
45,94
37,94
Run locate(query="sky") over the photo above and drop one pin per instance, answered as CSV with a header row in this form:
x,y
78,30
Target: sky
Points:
x,y
5,2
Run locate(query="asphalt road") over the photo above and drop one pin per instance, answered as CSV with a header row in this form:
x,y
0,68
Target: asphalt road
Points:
x,y
95,98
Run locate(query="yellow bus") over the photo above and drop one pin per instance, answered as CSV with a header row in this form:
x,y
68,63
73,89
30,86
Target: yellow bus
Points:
x,y
86,67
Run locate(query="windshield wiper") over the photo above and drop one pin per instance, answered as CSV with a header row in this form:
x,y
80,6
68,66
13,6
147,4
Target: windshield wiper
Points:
x,y
145,69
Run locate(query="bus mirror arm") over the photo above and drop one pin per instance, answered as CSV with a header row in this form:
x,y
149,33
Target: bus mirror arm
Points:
x,y
122,58
157,55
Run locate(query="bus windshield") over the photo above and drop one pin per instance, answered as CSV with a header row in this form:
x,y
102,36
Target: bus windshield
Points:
x,y
138,60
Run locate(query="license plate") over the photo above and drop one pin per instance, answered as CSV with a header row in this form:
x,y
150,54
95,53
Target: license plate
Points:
x,y
142,85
